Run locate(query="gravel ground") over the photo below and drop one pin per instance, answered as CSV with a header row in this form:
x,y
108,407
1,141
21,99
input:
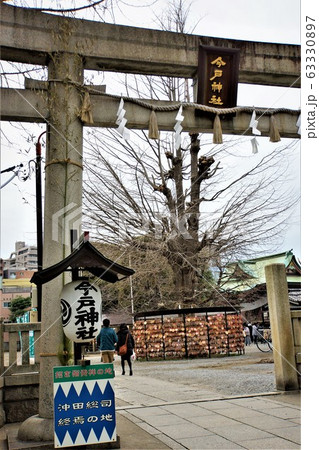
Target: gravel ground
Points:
x,y
231,375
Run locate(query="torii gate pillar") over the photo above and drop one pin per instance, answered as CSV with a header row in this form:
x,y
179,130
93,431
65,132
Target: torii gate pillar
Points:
x,y
63,190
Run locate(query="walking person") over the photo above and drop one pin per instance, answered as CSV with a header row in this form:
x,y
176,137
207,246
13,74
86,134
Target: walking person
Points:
x,y
250,331
247,335
125,337
106,341
255,333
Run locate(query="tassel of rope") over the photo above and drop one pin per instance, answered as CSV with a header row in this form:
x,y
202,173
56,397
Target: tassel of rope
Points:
x,y
217,130
153,132
274,135
86,110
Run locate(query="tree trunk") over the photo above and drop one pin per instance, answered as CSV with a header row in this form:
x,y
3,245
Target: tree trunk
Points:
x,y
182,257
185,282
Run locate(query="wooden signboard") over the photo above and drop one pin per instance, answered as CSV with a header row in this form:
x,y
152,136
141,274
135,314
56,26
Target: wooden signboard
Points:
x,y
84,405
218,69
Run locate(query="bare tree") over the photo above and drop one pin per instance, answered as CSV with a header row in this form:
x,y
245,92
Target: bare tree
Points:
x,y
182,202
100,10
150,288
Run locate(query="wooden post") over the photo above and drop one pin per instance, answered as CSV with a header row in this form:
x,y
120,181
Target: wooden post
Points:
x,y
281,328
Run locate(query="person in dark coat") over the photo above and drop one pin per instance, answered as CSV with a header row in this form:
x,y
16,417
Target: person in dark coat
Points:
x,y
122,334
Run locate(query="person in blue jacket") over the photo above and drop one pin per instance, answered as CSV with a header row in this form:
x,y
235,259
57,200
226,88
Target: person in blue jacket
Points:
x,y
106,341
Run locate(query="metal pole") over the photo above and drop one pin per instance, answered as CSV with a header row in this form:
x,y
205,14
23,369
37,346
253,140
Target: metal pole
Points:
x,y
38,191
131,293
75,276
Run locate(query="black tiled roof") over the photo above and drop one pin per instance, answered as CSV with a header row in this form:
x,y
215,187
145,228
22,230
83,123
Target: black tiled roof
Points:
x,y
85,257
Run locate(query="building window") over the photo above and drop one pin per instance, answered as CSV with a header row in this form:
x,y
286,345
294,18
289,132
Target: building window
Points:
x,y
6,304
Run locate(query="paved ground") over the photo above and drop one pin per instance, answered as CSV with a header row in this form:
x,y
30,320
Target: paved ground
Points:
x,y
218,403
234,375
237,423
224,403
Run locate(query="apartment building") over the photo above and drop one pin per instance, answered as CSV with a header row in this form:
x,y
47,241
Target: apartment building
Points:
x,y
15,274
24,257
11,289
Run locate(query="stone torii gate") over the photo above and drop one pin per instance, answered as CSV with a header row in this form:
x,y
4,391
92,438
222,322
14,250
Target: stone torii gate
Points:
x,y
68,47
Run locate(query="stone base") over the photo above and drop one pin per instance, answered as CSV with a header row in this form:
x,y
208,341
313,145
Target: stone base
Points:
x,y
36,428
41,431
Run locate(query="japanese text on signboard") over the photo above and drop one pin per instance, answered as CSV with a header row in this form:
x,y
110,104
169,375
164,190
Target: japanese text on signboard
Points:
x,y
81,310
217,77
217,86
86,316
84,405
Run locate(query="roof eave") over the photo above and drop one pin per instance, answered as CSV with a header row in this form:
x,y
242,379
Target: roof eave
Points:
x,y
98,265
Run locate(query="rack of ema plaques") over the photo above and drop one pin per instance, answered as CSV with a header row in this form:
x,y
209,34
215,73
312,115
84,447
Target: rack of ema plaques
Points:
x,y
188,333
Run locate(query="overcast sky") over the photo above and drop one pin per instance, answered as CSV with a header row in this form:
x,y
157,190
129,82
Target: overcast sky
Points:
x,y
235,19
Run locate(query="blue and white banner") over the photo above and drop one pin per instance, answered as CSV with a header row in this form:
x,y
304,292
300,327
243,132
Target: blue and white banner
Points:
x,y
84,405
